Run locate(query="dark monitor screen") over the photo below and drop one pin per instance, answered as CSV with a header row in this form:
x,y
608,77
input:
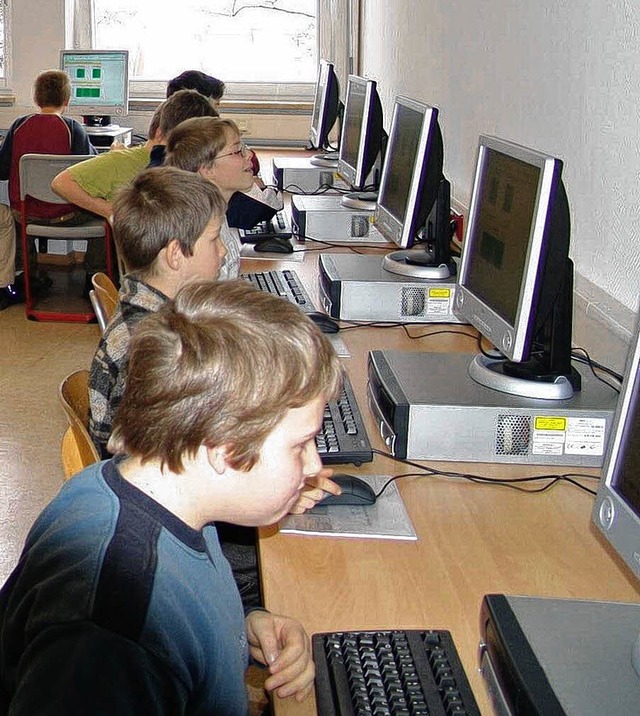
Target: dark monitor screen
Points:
x,y
515,282
326,105
402,151
507,198
363,135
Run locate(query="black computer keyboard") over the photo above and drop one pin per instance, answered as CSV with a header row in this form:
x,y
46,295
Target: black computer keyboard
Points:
x,y
343,437
400,673
279,225
283,283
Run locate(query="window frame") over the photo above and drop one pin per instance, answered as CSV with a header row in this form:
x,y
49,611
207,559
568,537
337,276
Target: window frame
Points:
x,y
337,28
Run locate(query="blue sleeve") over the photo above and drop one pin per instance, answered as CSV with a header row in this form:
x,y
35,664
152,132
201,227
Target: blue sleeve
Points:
x,y
80,142
83,669
5,154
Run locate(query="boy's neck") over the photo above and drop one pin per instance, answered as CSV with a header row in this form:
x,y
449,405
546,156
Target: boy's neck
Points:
x,y
51,110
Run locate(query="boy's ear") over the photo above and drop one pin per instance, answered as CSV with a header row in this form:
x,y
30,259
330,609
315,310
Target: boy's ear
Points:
x,y
218,458
174,255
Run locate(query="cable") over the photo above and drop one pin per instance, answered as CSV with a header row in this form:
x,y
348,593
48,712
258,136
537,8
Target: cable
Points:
x,y
515,483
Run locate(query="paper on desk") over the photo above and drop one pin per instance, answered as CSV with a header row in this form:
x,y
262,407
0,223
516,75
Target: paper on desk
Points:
x,y
386,519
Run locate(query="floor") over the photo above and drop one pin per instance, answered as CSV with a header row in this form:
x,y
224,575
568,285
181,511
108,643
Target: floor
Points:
x,y
34,358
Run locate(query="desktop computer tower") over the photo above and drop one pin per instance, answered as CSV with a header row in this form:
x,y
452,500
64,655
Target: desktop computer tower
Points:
x,y
548,656
429,408
357,288
324,218
299,175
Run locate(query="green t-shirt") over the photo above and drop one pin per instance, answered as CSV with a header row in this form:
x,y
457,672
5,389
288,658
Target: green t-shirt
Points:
x,y
102,175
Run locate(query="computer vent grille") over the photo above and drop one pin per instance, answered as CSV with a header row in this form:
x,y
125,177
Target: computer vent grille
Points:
x,y
413,301
513,435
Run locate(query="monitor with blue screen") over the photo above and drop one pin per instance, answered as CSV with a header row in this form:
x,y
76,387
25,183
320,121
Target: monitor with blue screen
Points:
x,y
99,84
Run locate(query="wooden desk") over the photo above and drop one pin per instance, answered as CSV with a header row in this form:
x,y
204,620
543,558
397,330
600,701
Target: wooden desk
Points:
x,y
473,540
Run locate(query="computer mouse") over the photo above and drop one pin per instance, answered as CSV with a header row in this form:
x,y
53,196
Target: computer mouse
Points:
x,y
354,492
324,322
274,245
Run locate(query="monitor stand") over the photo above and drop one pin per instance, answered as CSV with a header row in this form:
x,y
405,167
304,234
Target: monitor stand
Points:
x,y
490,373
99,122
361,200
433,262
326,159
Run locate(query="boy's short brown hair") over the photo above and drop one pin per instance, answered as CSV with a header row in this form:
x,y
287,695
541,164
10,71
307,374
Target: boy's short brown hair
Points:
x,y
52,88
221,365
158,205
183,105
196,143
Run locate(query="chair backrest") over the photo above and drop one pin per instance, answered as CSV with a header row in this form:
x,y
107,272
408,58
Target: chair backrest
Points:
x,y
106,294
38,170
98,310
78,449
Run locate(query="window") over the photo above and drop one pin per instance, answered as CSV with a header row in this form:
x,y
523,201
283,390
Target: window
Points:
x,y
4,51
260,48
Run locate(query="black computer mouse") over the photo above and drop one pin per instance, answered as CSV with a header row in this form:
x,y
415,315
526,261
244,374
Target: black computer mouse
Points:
x,y
354,492
274,245
324,322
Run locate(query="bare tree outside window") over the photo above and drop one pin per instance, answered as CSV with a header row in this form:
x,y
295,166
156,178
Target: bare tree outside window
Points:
x,y
235,40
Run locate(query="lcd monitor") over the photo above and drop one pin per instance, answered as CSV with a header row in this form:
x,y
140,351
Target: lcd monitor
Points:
x,y
515,283
326,106
616,511
99,84
362,140
414,196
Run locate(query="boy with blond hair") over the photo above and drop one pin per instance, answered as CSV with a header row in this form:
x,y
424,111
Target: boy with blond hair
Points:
x,y
122,601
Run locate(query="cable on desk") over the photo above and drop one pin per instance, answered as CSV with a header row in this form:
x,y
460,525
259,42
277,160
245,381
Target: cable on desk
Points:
x,y
353,248
580,355
515,483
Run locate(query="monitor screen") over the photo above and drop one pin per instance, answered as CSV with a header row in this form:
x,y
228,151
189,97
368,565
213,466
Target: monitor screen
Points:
x,y
326,106
616,510
362,133
515,281
412,172
99,81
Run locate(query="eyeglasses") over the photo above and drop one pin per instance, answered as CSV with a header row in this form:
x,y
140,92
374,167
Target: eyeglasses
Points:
x,y
244,150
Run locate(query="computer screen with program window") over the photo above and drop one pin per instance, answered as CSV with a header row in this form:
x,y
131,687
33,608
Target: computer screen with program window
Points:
x,y
99,84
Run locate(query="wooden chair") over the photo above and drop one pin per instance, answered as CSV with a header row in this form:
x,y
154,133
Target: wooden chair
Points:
x,y
36,173
104,298
77,448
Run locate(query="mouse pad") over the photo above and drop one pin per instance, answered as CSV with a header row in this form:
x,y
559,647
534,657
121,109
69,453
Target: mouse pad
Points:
x,y
386,519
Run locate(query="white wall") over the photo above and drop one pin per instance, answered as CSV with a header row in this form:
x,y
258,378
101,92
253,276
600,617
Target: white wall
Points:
x,y
562,76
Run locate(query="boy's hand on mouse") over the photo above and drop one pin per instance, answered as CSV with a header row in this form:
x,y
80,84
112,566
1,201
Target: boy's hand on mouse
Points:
x,y
284,646
316,488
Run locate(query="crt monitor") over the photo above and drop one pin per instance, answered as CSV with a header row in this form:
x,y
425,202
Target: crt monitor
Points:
x,y
363,137
326,106
515,283
99,84
616,510
414,196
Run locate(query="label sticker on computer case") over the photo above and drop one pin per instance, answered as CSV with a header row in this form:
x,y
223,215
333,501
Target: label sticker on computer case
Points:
x,y
438,302
569,436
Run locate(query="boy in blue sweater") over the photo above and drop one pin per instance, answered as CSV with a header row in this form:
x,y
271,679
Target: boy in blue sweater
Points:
x,y
122,602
